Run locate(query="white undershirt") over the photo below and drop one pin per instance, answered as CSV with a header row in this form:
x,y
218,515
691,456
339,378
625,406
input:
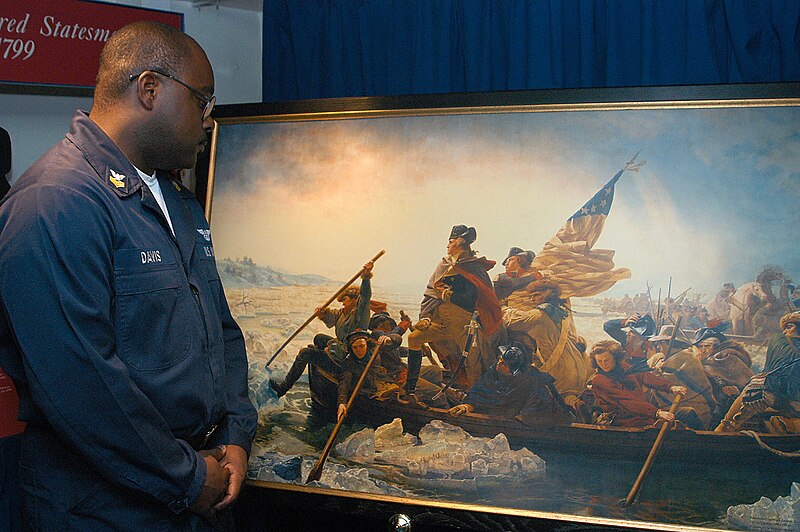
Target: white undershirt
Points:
x,y
155,188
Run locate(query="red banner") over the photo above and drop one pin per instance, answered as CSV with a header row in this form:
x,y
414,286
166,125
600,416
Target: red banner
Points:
x,y
58,42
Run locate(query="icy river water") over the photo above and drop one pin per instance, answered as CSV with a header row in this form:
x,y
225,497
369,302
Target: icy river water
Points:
x,y
572,484
292,435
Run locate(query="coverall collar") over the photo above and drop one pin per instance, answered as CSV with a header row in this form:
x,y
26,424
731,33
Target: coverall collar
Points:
x,y
107,160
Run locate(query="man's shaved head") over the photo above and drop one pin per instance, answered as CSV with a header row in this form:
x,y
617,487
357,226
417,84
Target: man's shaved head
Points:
x,y
137,47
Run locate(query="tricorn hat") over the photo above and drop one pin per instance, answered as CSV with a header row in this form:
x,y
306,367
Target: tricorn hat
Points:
x,y
644,326
704,333
462,231
519,252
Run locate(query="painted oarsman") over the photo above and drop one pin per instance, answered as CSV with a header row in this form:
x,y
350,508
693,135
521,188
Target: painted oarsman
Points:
x,y
392,354
326,351
513,387
777,388
548,322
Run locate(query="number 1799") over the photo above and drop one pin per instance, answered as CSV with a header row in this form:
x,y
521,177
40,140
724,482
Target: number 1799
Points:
x,y
16,47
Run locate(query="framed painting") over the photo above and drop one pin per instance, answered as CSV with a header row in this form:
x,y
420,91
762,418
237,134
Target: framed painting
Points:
x,y
650,226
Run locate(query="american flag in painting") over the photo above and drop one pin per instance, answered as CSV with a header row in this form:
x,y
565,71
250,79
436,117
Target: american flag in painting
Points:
x,y
568,257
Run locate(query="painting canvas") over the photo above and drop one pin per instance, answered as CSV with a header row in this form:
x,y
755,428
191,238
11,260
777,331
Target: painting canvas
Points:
x,y
685,213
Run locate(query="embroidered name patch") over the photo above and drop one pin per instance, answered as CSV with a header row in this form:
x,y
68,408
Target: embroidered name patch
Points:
x,y
150,256
140,260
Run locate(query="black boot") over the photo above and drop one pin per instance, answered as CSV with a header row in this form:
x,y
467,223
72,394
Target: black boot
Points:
x,y
414,365
294,373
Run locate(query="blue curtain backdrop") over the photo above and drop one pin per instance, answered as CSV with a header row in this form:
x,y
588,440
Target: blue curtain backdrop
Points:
x,y
334,48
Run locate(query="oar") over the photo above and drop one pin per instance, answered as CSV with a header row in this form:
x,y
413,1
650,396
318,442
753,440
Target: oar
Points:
x,y
316,472
652,456
324,305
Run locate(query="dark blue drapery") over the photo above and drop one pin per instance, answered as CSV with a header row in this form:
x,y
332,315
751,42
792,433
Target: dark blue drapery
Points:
x,y
333,48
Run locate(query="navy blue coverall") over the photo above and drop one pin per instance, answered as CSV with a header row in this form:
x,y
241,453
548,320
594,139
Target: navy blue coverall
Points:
x,y
119,339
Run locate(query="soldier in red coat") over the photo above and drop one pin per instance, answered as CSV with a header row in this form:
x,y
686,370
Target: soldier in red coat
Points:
x,y
621,395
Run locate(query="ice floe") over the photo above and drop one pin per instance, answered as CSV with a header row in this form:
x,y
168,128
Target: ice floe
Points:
x,y
442,451
781,515
443,457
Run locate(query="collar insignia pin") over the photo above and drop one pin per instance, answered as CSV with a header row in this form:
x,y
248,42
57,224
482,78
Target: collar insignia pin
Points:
x,y
206,233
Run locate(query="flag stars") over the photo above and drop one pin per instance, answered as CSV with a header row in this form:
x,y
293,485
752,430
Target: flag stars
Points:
x,y
603,203
584,210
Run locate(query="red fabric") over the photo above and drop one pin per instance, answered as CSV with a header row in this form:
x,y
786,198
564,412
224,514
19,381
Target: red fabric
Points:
x,y
487,305
9,408
631,407
402,377
377,306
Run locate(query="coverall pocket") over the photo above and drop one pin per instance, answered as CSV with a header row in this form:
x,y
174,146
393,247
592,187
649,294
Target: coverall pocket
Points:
x,y
153,317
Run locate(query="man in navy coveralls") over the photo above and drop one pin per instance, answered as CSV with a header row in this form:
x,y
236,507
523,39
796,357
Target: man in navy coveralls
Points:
x,y
131,372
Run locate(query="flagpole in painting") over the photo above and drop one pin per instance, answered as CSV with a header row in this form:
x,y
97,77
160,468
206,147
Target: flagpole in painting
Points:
x,y
568,257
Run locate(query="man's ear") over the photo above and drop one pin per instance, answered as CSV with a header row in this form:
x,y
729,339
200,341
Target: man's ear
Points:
x,y
147,86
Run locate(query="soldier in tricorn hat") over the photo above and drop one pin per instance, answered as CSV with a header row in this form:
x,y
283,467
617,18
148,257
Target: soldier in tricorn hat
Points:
x,y
518,274
727,365
459,285
633,332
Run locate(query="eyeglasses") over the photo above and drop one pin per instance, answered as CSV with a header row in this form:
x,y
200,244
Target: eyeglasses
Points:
x,y
208,103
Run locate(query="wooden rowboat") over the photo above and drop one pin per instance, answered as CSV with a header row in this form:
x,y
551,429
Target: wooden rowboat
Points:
x,y
602,442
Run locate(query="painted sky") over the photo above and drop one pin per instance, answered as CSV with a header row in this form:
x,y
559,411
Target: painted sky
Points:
x,y
717,200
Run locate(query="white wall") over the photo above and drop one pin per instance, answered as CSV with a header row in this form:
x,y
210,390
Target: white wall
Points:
x,y
231,38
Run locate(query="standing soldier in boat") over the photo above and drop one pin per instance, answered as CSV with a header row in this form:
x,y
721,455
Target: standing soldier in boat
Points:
x,y
459,285
546,318
777,388
328,352
518,274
